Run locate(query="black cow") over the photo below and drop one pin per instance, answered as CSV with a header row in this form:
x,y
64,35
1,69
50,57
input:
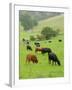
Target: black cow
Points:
x,y
50,41
60,40
53,57
23,39
37,44
29,47
46,50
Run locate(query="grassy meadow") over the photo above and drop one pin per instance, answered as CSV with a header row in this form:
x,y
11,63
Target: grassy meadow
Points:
x,y
42,69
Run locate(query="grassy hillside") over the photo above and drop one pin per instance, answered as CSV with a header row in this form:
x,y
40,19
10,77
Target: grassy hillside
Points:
x,y
56,22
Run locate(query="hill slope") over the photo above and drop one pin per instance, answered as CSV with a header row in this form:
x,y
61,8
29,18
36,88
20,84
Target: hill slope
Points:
x,y
56,22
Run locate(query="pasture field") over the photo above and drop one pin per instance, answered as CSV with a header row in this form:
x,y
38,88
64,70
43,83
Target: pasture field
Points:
x,y
42,69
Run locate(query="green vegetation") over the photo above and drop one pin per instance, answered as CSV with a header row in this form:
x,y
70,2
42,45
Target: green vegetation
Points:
x,y
48,32
42,69
32,38
27,21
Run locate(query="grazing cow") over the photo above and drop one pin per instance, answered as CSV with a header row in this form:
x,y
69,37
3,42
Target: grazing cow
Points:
x,y
31,58
46,50
49,41
29,47
23,39
38,49
43,50
37,44
60,40
53,58
27,42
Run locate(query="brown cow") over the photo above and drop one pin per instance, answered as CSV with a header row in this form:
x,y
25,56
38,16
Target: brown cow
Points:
x,y
43,50
38,49
31,58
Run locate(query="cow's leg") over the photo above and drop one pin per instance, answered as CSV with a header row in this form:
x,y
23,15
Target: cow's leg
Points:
x,y
26,60
52,62
55,62
49,61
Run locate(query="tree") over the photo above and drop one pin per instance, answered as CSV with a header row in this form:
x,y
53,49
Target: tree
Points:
x,y
27,21
48,32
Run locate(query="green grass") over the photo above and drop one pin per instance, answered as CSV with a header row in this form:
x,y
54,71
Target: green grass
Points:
x,y
42,69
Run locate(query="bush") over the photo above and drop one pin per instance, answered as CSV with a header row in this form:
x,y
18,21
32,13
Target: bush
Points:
x,y
48,32
32,38
40,37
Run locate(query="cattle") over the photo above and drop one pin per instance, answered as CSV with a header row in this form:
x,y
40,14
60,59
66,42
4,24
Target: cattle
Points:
x,y
43,50
50,41
28,47
53,57
27,42
38,49
37,44
23,39
31,58
60,40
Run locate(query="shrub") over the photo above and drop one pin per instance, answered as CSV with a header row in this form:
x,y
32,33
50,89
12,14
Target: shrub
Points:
x,y
48,32
40,37
32,38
